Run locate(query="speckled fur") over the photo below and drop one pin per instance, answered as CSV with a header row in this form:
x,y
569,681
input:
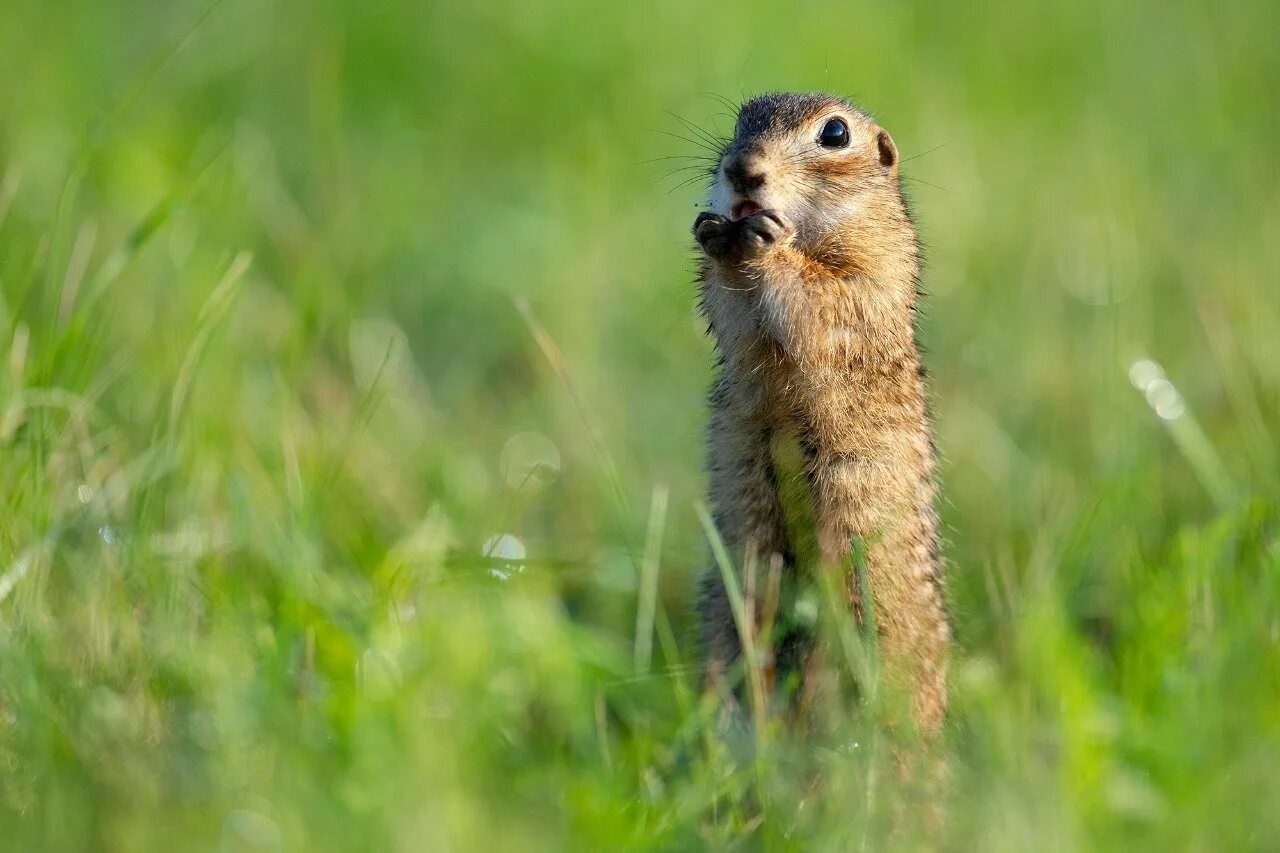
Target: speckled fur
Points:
x,y
812,302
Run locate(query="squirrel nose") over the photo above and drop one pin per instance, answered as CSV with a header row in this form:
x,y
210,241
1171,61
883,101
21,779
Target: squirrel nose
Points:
x,y
743,177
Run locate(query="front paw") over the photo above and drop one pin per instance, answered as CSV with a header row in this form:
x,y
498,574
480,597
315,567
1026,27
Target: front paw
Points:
x,y
716,234
763,229
737,240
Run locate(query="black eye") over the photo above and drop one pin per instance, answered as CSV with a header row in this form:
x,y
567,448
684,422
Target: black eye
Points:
x,y
835,134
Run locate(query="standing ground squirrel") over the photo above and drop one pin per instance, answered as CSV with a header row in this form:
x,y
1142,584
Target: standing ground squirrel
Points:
x,y
809,283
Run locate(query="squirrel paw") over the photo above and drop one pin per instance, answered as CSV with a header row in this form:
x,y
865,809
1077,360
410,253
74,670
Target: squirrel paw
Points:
x,y
762,229
726,239
716,234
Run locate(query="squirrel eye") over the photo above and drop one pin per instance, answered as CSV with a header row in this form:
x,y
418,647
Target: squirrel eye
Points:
x,y
835,134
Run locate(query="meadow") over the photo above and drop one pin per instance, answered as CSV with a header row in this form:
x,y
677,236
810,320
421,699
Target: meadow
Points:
x,y
352,397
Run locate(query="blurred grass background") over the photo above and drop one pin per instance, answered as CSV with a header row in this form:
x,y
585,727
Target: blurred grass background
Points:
x,y
312,313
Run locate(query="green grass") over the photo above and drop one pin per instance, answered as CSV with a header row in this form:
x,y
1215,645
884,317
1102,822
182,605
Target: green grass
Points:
x,y
301,304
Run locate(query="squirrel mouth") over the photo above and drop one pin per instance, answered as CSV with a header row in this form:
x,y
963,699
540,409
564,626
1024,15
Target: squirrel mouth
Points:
x,y
743,209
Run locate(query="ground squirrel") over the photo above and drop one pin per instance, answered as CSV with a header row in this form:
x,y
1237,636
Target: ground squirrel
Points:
x,y
809,285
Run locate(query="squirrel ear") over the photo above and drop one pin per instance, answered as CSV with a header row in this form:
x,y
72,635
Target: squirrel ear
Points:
x,y
887,150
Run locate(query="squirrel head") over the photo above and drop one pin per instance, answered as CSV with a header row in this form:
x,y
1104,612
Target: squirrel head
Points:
x,y
814,158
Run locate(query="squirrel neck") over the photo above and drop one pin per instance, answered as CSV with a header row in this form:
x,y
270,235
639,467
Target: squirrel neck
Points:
x,y
870,290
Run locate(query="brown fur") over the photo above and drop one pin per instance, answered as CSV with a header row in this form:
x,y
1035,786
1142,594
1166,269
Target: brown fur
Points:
x,y
812,303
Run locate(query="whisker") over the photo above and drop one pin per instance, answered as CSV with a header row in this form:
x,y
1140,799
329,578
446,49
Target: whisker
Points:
x,y
922,153
687,181
709,169
701,169
701,145
677,157
691,127
694,178
721,99
927,184
705,135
